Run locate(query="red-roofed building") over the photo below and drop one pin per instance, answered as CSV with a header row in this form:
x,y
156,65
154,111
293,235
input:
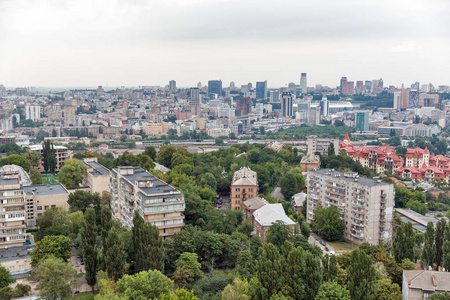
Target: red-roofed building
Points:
x,y
378,159
416,157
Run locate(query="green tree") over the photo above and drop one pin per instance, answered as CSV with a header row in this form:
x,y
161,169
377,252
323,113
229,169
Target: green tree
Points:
x,y
151,152
429,248
269,271
106,224
165,155
49,156
244,264
278,233
238,290
16,159
192,268
148,245
295,269
149,284
53,221
288,185
439,241
327,223
58,246
5,280
54,277
312,276
387,290
440,296
330,268
72,173
446,248
331,150
115,255
417,206
35,176
403,244
82,200
331,290
361,276
88,235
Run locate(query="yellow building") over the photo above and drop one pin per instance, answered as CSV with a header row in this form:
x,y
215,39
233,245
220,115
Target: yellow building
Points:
x,y
244,186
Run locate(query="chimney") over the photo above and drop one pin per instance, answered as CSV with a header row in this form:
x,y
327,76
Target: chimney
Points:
x,y
434,281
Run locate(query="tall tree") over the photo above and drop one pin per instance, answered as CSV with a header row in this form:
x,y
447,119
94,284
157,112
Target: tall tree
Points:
x,y
439,241
115,255
403,244
330,268
106,224
35,176
361,276
429,249
54,277
331,290
269,268
312,276
151,152
49,156
58,246
72,173
148,245
295,268
446,248
331,150
289,185
88,235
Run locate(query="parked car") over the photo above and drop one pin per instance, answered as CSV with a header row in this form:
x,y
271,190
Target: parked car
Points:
x,y
323,243
218,206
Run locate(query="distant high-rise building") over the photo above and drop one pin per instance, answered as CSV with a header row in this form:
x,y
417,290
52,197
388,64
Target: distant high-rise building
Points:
x,y
368,85
428,100
232,85
404,101
397,100
362,120
347,87
3,92
303,83
359,87
32,112
194,99
377,86
274,96
415,85
261,90
324,107
172,85
286,104
292,87
215,87
199,85
413,99
243,106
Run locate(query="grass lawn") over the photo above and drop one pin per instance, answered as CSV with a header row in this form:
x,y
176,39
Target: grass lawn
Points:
x,y
84,297
342,246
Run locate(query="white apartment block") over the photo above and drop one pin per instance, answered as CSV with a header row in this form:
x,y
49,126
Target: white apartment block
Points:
x,y
32,112
366,205
133,188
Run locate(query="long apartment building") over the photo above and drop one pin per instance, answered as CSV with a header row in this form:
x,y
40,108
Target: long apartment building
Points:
x,y
133,188
12,211
366,205
62,154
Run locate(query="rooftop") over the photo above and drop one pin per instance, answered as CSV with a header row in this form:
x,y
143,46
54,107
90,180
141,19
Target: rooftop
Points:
x,y
271,213
45,189
15,253
98,169
350,176
39,147
419,222
427,280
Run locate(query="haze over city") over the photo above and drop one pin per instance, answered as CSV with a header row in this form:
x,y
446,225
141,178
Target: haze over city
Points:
x,y
135,43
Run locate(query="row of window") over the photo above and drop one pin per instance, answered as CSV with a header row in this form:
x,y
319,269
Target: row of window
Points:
x,y
12,216
163,207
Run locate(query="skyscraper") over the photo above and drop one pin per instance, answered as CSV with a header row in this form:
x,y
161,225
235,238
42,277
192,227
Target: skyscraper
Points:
x,y
243,106
347,87
274,96
194,99
303,84
286,104
261,90
215,87
172,85
362,120
359,87
397,100
324,106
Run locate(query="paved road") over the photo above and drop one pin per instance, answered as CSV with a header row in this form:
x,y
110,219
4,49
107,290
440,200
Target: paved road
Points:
x,y
314,239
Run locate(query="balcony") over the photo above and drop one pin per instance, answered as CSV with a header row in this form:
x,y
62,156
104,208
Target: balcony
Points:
x,y
357,235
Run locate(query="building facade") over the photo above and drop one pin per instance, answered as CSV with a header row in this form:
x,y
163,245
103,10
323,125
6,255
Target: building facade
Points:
x,y
362,121
97,177
32,112
133,188
62,154
365,205
321,144
286,105
244,186
12,211
261,90
215,87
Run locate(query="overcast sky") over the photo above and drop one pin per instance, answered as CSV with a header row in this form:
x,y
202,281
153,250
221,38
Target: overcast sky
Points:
x,y
65,43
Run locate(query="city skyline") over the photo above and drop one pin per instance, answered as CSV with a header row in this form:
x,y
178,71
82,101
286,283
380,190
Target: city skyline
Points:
x,y
136,43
